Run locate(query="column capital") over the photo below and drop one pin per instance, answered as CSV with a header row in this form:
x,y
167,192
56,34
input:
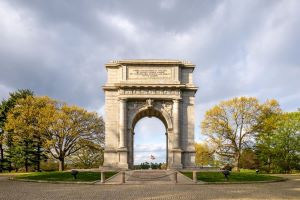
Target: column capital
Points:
x,y
122,99
176,100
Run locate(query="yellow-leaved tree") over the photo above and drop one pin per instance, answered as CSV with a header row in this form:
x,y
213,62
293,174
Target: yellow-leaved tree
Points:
x,y
230,126
74,127
27,122
55,127
204,155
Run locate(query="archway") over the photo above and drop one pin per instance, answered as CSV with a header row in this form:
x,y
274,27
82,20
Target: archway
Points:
x,y
144,112
150,141
149,88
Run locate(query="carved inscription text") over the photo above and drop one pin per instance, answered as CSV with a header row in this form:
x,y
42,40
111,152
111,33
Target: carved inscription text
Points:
x,y
149,92
149,72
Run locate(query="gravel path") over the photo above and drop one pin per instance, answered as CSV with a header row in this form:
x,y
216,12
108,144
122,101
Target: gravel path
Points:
x,y
12,190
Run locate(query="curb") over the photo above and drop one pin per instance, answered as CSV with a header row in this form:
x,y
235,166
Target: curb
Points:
x,y
54,182
245,182
98,182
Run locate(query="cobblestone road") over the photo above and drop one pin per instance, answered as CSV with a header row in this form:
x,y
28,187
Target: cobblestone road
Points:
x,y
13,190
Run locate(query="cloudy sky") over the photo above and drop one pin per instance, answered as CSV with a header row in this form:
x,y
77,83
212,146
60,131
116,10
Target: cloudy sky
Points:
x,y
58,48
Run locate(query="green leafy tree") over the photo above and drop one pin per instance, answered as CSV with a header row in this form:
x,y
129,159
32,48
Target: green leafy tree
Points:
x,y
287,141
5,107
265,142
18,158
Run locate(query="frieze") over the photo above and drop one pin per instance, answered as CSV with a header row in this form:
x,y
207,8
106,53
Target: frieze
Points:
x,y
149,92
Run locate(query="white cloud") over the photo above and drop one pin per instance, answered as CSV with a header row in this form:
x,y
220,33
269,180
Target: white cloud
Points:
x,y
240,48
149,147
142,153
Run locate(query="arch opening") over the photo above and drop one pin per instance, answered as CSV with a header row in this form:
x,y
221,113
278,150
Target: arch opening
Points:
x,y
149,141
150,136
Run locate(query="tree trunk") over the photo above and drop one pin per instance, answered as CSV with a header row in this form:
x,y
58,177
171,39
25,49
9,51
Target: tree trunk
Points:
x,y
1,158
61,164
26,164
26,156
237,161
9,151
38,157
269,165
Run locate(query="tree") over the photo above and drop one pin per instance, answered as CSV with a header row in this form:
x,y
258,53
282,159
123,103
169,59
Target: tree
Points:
x,y
249,159
5,107
90,156
204,155
287,141
265,128
42,124
229,126
28,120
73,127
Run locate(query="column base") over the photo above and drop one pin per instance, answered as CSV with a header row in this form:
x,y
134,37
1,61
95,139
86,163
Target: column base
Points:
x,y
115,159
176,159
123,160
110,159
188,159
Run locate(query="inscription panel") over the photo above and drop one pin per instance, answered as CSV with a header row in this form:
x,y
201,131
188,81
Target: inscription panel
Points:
x,y
149,92
142,73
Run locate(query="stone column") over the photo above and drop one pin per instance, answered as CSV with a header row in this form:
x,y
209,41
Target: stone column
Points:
x,y
176,122
167,150
176,150
132,147
122,122
123,151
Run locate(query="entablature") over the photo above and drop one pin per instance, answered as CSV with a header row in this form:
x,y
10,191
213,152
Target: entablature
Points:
x,y
150,72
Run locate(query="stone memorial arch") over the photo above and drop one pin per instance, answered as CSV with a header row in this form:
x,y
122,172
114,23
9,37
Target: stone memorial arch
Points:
x,y
149,88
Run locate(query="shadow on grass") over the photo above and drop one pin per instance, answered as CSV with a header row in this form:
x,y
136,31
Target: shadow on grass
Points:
x,y
233,177
64,176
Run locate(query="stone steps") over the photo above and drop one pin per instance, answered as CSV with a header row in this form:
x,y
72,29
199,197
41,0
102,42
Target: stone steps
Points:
x,y
150,177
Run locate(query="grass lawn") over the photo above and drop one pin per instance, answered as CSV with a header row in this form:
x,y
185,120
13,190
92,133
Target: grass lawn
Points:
x,y
64,176
233,177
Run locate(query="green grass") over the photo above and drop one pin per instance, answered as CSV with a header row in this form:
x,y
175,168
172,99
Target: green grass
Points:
x,y
64,176
233,177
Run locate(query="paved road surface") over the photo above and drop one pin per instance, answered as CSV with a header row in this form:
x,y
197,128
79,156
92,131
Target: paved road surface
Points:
x,y
14,190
